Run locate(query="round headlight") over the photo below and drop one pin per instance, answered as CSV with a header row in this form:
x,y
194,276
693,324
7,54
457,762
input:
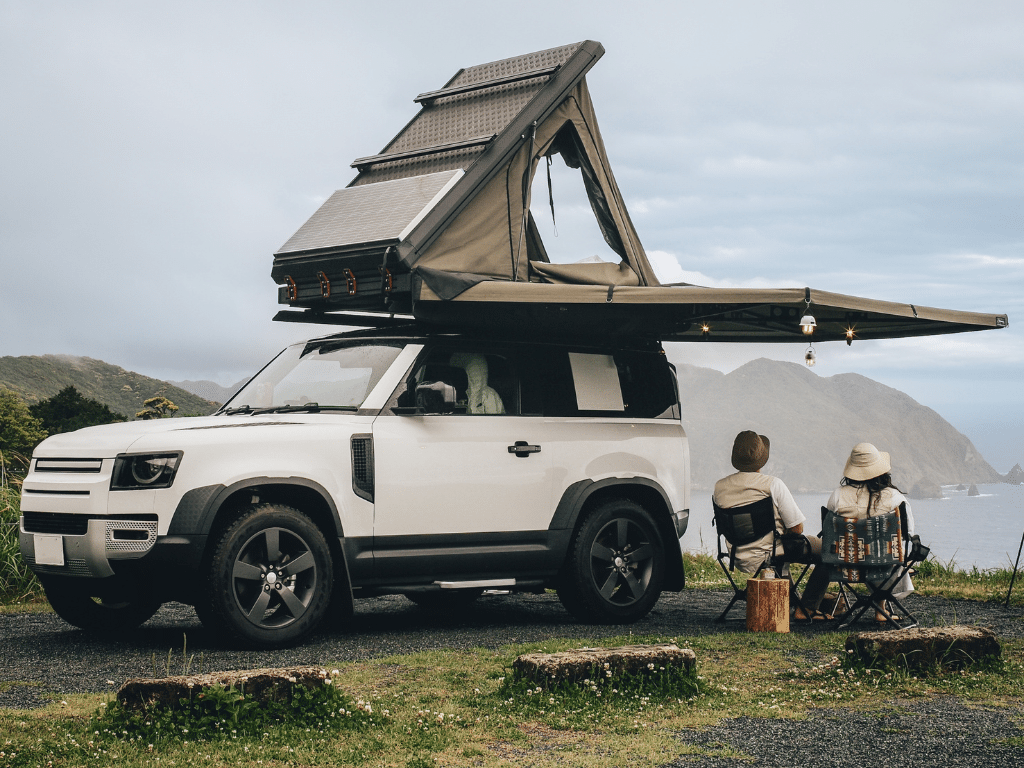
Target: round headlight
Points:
x,y
146,471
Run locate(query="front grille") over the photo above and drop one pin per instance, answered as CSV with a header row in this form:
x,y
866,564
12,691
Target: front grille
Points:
x,y
68,465
73,567
56,522
69,524
362,466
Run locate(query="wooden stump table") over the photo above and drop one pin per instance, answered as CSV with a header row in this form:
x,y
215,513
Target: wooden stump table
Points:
x,y
768,605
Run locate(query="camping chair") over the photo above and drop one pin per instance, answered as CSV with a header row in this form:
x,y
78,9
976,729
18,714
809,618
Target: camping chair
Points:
x,y
877,553
738,526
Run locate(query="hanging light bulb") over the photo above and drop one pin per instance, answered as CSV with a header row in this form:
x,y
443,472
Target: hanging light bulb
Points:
x,y
705,328
809,357
849,337
807,322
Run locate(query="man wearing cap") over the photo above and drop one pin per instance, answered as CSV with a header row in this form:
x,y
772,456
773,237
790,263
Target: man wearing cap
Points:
x,y
748,485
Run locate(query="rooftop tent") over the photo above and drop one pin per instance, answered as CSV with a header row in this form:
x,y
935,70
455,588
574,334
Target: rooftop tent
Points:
x,y
447,196
438,225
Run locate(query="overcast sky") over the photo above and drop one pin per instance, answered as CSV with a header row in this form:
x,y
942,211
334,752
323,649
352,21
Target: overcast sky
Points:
x,y
153,156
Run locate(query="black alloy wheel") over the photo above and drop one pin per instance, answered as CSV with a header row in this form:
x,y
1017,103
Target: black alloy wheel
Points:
x,y
616,566
271,577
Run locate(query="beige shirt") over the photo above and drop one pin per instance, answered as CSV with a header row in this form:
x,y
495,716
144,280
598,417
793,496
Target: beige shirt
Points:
x,y
742,488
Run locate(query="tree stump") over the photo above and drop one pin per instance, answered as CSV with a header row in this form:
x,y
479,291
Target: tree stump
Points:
x,y
262,684
926,648
768,605
574,666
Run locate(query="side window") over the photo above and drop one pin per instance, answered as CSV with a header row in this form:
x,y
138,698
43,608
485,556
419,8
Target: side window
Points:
x,y
485,380
648,386
559,383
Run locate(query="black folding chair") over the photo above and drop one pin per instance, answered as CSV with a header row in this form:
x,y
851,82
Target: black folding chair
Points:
x,y
738,526
874,552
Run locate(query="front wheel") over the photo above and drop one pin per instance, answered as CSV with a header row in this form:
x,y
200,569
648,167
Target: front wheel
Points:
x,y
616,565
73,601
270,578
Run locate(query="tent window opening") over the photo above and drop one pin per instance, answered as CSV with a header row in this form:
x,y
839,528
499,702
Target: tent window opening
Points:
x,y
563,218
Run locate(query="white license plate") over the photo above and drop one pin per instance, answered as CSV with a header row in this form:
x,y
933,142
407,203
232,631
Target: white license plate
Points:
x,y
49,550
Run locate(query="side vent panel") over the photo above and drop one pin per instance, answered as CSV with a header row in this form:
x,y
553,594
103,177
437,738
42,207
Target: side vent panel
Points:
x,y
362,466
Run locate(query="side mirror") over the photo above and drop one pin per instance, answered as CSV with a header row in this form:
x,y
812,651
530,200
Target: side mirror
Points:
x,y
435,397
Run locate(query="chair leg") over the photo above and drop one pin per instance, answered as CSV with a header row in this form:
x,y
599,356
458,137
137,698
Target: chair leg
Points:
x,y
738,594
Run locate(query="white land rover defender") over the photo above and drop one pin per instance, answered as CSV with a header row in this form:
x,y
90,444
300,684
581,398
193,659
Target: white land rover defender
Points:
x,y
375,462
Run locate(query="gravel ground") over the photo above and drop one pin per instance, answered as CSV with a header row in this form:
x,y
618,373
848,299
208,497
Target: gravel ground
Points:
x,y
55,659
47,659
939,732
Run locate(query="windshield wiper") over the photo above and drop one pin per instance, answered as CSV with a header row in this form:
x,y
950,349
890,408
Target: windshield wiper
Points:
x,y
238,409
305,408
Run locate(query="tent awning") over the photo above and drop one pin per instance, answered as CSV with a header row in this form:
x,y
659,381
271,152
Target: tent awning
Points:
x,y
677,313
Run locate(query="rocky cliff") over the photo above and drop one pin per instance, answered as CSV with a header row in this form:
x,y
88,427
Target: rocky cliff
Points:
x,y
814,421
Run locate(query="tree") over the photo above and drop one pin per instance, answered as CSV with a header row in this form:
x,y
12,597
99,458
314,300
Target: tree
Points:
x,y
69,410
157,408
20,431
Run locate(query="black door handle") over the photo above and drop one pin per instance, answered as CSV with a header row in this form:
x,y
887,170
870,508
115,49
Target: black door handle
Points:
x,y
522,449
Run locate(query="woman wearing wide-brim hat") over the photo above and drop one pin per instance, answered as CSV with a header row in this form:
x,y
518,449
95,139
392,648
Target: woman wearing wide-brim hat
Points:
x,y
867,490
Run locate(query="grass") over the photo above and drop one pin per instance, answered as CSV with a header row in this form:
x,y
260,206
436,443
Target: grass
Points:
x,y
448,708
18,586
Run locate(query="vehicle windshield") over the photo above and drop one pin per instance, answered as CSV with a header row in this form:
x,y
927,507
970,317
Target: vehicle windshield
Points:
x,y
315,376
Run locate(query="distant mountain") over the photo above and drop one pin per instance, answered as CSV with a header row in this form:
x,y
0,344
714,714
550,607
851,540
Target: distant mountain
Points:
x,y
36,378
209,390
814,421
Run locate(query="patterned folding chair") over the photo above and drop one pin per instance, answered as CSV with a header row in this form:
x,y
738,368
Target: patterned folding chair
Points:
x,y
738,526
874,552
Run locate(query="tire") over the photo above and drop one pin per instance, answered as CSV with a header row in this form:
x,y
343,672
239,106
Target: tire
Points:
x,y
270,578
445,599
72,600
616,565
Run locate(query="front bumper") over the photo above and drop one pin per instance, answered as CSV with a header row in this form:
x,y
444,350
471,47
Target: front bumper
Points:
x,y
48,548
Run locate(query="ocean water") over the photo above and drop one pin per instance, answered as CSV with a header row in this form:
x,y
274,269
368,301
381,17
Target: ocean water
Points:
x,y
983,531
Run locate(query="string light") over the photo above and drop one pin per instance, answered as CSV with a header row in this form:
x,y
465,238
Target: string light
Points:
x,y
807,322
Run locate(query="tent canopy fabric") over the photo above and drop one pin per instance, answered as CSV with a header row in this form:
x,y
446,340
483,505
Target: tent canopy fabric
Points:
x,y
438,225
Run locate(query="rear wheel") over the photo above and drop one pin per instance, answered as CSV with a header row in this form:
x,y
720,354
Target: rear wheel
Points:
x,y
73,600
270,578
616,565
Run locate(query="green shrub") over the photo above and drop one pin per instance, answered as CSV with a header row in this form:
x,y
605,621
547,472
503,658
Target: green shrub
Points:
x,y
17,582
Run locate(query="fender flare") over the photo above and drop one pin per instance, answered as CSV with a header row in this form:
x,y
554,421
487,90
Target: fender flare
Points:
x,y
198,508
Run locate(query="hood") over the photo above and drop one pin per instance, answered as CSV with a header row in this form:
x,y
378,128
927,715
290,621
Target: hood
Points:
x,y
108,440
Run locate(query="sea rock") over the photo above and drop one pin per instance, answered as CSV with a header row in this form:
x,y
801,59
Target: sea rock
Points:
x,y
925,648
973,490
574,666
925,489
262,684
1015,476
